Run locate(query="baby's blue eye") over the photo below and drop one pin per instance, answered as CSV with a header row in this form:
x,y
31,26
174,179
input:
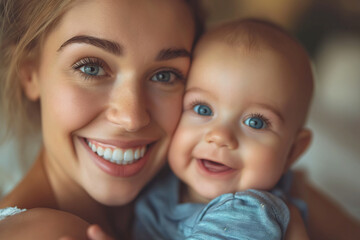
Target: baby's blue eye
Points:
x,y
255,122
162,76
93,70
202,110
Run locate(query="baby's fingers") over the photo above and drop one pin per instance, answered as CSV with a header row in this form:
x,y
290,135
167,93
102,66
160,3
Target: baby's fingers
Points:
x,y
94,232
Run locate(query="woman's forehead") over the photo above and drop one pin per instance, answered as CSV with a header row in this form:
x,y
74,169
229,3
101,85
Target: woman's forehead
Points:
x,y
148,17
140,23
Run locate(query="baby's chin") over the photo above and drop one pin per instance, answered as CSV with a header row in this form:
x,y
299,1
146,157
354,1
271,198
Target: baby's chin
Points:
x,y
206,195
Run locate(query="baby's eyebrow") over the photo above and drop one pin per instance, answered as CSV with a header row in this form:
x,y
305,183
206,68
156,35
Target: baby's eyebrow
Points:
x,y
195,89
107,45
273,110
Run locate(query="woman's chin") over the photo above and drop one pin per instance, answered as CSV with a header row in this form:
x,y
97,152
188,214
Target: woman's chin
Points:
x,y
118,198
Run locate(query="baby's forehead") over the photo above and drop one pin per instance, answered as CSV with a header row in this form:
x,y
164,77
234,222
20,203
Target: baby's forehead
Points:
x,y
254,35
263,47
257,37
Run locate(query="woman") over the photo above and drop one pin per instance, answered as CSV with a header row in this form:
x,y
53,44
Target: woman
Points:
x,y
106,73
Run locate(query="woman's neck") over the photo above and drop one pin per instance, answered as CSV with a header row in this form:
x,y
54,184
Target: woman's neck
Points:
x,y
71,197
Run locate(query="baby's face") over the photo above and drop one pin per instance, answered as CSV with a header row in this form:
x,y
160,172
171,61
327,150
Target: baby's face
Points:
x,y
241,115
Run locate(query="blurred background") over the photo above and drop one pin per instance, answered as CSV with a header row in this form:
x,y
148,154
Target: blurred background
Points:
x,y
330,31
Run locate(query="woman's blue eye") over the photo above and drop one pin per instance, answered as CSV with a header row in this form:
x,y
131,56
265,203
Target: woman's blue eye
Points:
x,y
93,70
255,122
163,76
202,110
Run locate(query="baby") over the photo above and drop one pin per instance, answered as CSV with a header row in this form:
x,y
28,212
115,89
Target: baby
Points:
x,y
242,127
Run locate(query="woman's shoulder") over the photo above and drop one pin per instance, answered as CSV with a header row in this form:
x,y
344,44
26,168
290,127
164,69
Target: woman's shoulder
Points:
x,y
43,223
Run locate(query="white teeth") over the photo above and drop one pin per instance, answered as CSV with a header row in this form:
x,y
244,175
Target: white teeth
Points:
x,y
142,153
100,151
128,156
118,155
93,148
137,154
107,153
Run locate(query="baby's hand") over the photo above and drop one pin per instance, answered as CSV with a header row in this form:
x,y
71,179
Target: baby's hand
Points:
x,y
94,232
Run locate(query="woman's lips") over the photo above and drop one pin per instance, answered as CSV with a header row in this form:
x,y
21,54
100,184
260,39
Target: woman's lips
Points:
x,y
125,164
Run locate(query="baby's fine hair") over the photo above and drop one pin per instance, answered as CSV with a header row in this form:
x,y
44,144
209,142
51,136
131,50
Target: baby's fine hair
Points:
x,y
253,34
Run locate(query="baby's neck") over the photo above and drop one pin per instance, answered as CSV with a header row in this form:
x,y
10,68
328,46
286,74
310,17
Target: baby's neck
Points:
x,y
187,194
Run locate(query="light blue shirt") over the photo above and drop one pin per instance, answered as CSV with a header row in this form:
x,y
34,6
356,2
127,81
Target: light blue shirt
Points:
x,y
250,214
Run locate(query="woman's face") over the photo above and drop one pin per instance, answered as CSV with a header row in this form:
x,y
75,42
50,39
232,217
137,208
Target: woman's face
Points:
x,y
110,83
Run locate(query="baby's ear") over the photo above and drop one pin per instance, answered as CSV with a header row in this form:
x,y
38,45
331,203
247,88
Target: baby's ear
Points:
x,y
301,143
29,80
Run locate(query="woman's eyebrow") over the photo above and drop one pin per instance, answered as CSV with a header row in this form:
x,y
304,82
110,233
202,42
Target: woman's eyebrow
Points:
x,y
106,45
117,49
171,53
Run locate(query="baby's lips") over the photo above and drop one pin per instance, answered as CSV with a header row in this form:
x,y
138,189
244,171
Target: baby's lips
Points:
x,y
214,167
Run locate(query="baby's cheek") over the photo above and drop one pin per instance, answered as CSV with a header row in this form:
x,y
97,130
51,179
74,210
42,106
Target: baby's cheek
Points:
x,y
264,164
182,145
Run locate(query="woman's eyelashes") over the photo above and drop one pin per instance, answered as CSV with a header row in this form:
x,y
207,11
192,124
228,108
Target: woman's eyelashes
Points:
x,y
168,76
91,68
257,121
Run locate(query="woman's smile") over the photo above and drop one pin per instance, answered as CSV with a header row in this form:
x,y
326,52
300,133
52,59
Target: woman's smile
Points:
x,y
117,155
115,161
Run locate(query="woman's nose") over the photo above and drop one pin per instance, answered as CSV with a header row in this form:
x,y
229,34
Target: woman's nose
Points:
x,y
128,107
222,137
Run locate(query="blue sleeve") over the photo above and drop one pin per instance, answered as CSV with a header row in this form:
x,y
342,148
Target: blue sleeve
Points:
x,y
250,214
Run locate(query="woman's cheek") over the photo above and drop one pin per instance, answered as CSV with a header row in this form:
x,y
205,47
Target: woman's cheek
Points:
x,y
72,107
167,112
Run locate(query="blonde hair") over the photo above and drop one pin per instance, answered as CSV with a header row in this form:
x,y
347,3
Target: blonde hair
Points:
x,y
23,26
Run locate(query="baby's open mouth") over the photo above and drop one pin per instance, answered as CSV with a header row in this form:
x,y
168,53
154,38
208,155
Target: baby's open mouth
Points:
x,y
214,167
